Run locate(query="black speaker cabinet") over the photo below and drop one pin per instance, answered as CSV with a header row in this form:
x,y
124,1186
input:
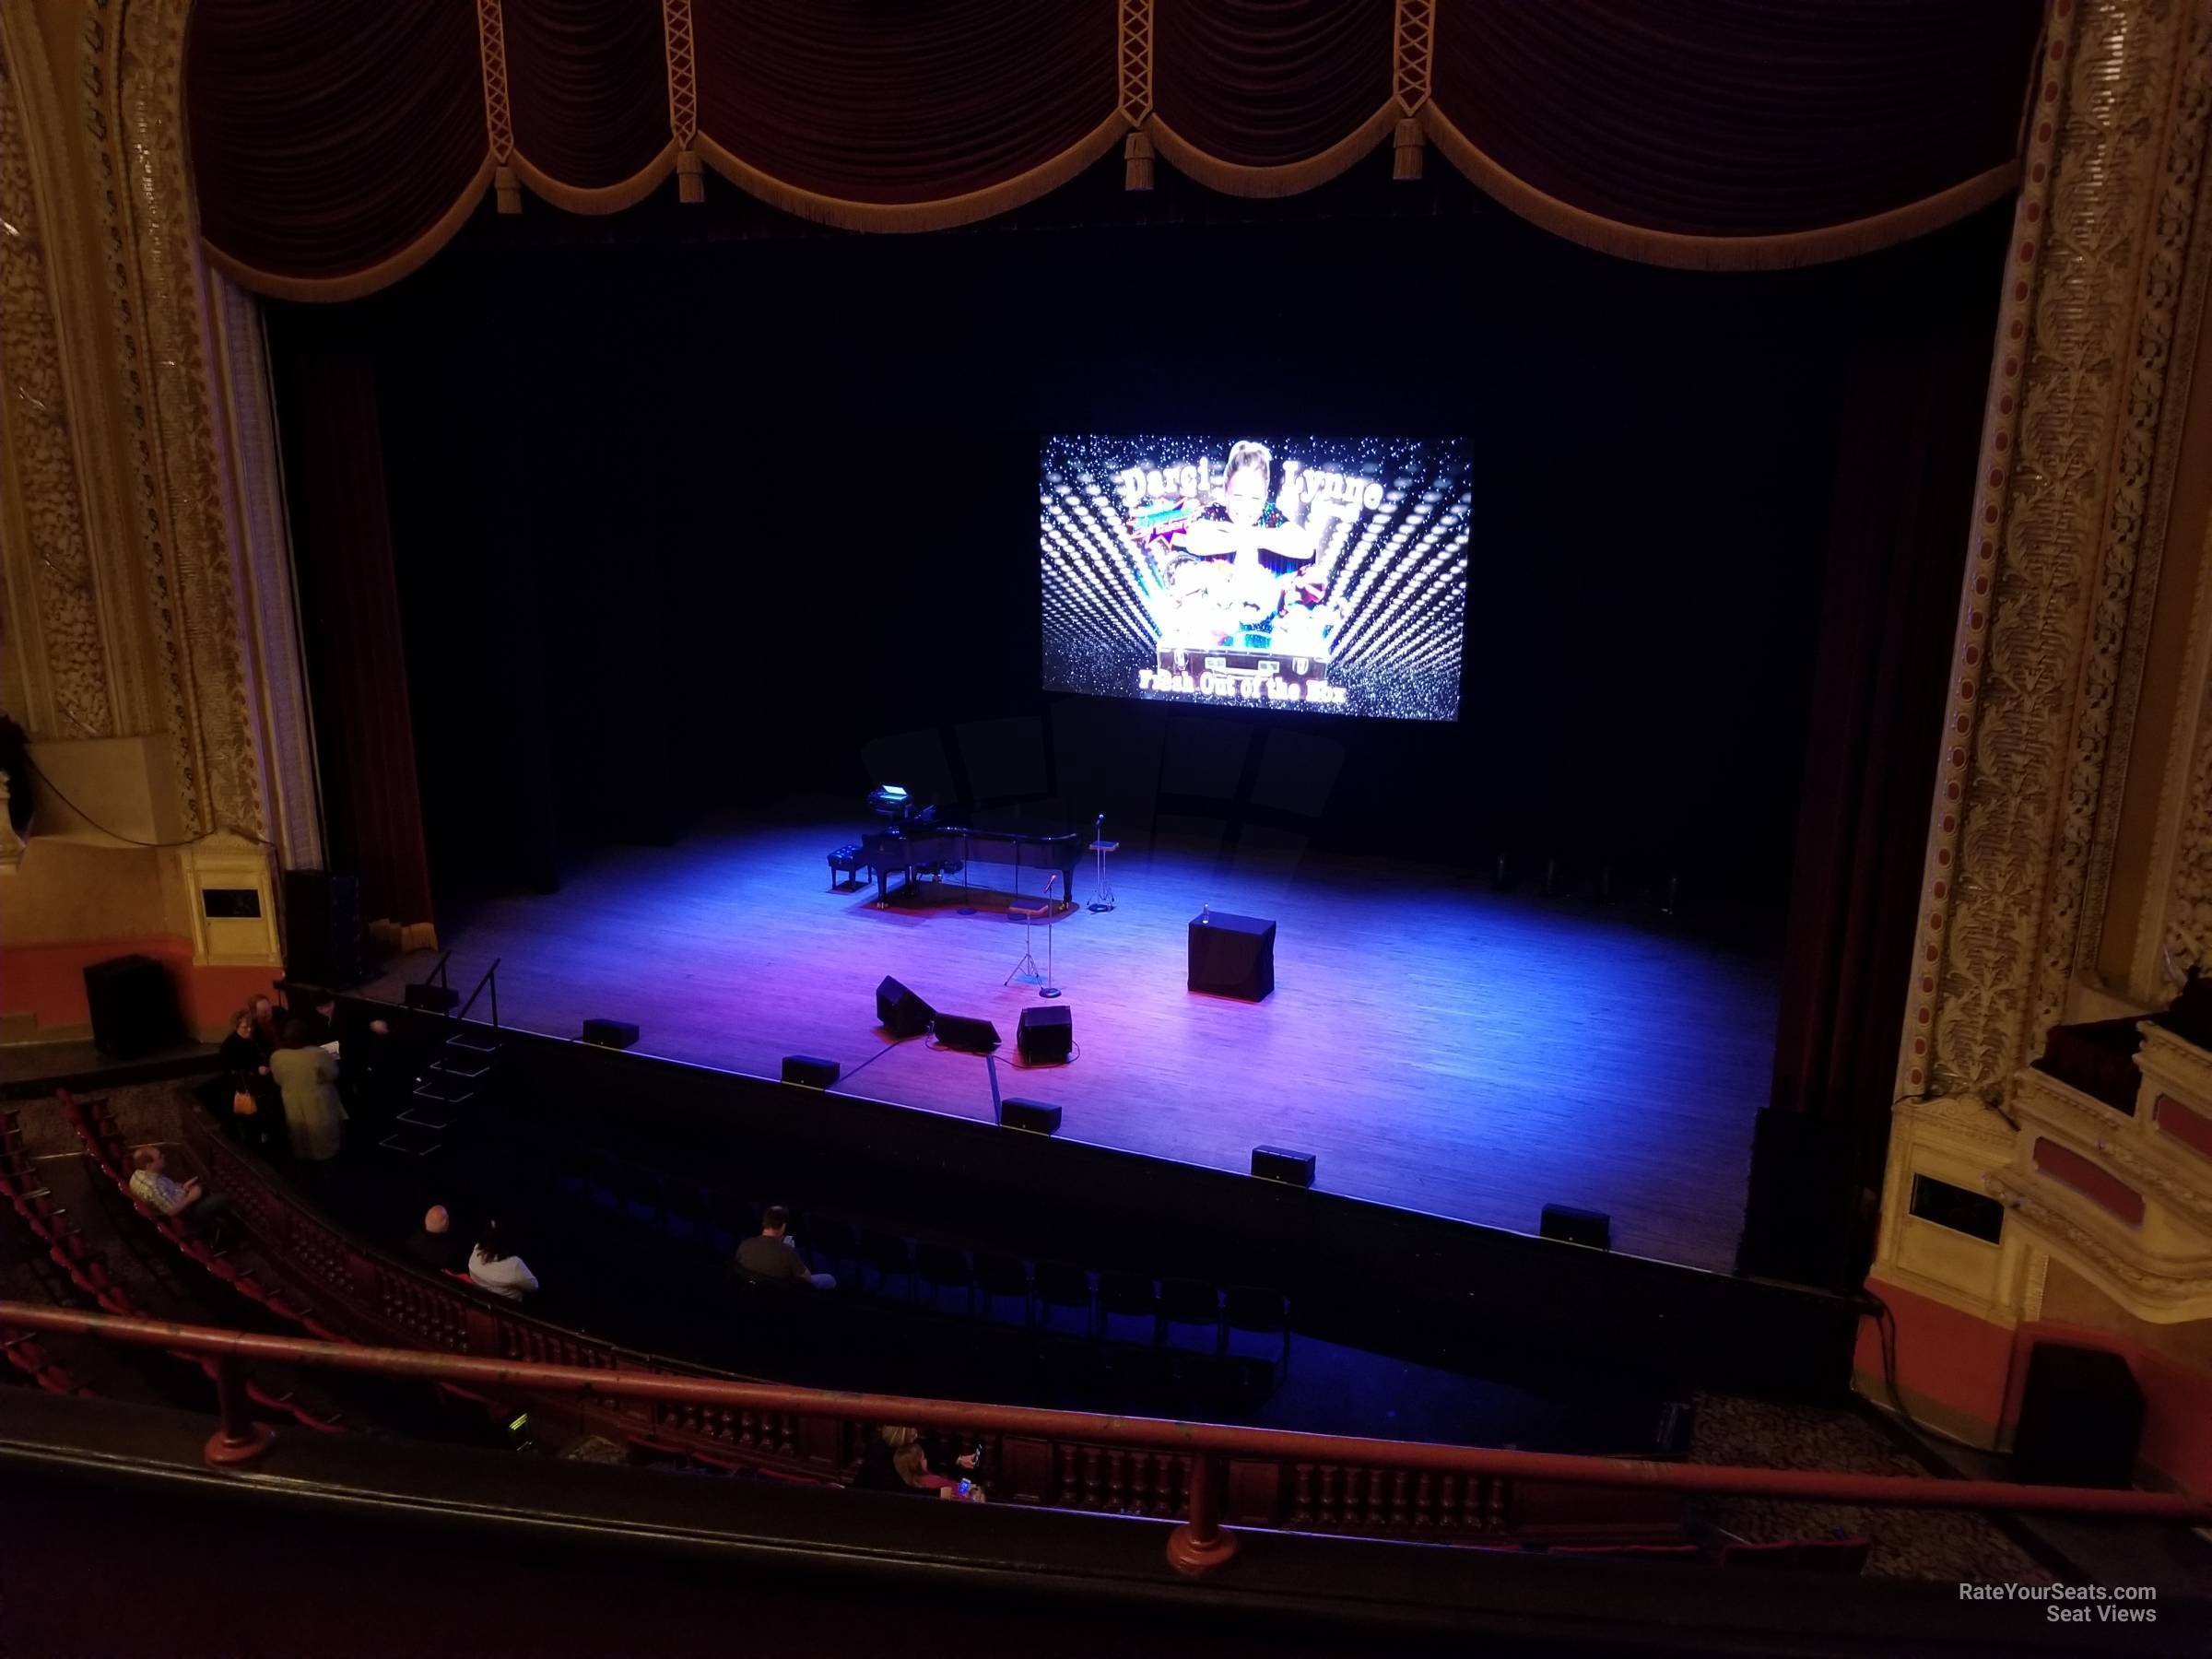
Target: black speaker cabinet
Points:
x,y
133,1007
1032,1115
972,1036
814,1073
1046,1036
899,1011
610,1033
1279,1163
323,928
1593,1227
2081,1414
1799,1215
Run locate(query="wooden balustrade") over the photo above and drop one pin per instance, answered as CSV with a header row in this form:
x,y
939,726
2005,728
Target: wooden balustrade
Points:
x,y
378,1298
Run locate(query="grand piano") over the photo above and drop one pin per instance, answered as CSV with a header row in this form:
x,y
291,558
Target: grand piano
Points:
x,y
915,841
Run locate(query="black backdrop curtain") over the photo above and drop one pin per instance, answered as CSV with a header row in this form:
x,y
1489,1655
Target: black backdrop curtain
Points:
x,y
349,617
1896,547
658,557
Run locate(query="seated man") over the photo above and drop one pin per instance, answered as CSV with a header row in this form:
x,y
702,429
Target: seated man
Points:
x,y
200,1211
774,1256
435,1245
321,1018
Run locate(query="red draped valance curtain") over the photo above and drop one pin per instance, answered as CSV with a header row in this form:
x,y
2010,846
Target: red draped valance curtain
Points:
x,y
335,145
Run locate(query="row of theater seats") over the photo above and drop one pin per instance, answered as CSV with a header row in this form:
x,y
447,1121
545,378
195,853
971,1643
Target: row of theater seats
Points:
x,y
934,1271
105,1146
235,1270
68,1248
25,1353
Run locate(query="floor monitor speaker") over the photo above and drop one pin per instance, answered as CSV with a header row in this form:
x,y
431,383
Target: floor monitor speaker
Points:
x,y
814,1073
973,1036
899,1011
610,1033
1032,1115
1593,1227
1279,1163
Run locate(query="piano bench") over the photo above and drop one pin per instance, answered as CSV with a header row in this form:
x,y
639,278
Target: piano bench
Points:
x,y
847,862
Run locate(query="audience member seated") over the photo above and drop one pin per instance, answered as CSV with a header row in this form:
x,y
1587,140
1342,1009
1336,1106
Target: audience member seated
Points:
x,y
435,1245
772,1256
252,1091
894,1462
313,1116
266,1031
200,1212
321,1018
491,1269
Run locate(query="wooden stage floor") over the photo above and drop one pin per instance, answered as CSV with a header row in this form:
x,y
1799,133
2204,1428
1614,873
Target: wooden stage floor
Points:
x,y
1437,1045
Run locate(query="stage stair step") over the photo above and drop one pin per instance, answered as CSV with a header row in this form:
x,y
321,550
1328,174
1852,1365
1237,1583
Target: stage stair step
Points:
x,y
444,1088
411,1144
429,1112
473,1044
470,1064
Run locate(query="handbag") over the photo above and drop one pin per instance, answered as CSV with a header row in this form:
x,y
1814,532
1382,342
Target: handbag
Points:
x,y
243,1104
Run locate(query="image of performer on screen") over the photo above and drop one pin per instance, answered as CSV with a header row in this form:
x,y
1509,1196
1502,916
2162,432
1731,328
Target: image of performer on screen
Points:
x,y
1254,564
1225,582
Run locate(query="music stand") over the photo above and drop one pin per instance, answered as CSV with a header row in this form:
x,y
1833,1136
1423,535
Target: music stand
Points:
x,y
1101,896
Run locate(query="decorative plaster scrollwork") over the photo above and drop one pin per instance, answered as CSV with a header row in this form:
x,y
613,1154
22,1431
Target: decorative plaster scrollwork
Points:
x,y
2172,289
37,421
2153,1289
133,83
2186,933
2029,725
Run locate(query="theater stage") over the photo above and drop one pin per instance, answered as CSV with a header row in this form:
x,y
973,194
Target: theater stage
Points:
x,y
1436,1044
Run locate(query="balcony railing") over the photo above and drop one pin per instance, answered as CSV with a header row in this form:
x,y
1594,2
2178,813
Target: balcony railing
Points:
x,y
1203,1450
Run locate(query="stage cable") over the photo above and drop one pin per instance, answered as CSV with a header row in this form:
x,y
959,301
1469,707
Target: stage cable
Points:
x,y
1885,1325
844,1077
191,841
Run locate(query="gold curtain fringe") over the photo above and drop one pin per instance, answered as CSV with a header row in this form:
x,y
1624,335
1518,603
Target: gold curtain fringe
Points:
x,y
1410,136
1412,149
1233,178
1136,162
597,199
354,285
1783,252
965,209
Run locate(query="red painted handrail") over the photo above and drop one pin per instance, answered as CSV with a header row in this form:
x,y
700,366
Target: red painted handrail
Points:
x,y
1198,1545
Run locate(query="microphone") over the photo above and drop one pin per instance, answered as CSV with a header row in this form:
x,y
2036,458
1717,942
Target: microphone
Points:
x,y
1049,879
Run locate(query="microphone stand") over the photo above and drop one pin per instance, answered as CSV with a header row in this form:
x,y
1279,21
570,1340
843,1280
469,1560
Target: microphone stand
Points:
x,y
1049,988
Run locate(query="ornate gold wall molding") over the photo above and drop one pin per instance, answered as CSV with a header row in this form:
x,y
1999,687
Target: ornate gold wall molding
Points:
x,y
131,66
54,593
2183,927
2037,709
268,613
2173,286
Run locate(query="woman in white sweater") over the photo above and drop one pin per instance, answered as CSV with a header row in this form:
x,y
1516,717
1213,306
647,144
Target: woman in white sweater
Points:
x,y
491,1269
